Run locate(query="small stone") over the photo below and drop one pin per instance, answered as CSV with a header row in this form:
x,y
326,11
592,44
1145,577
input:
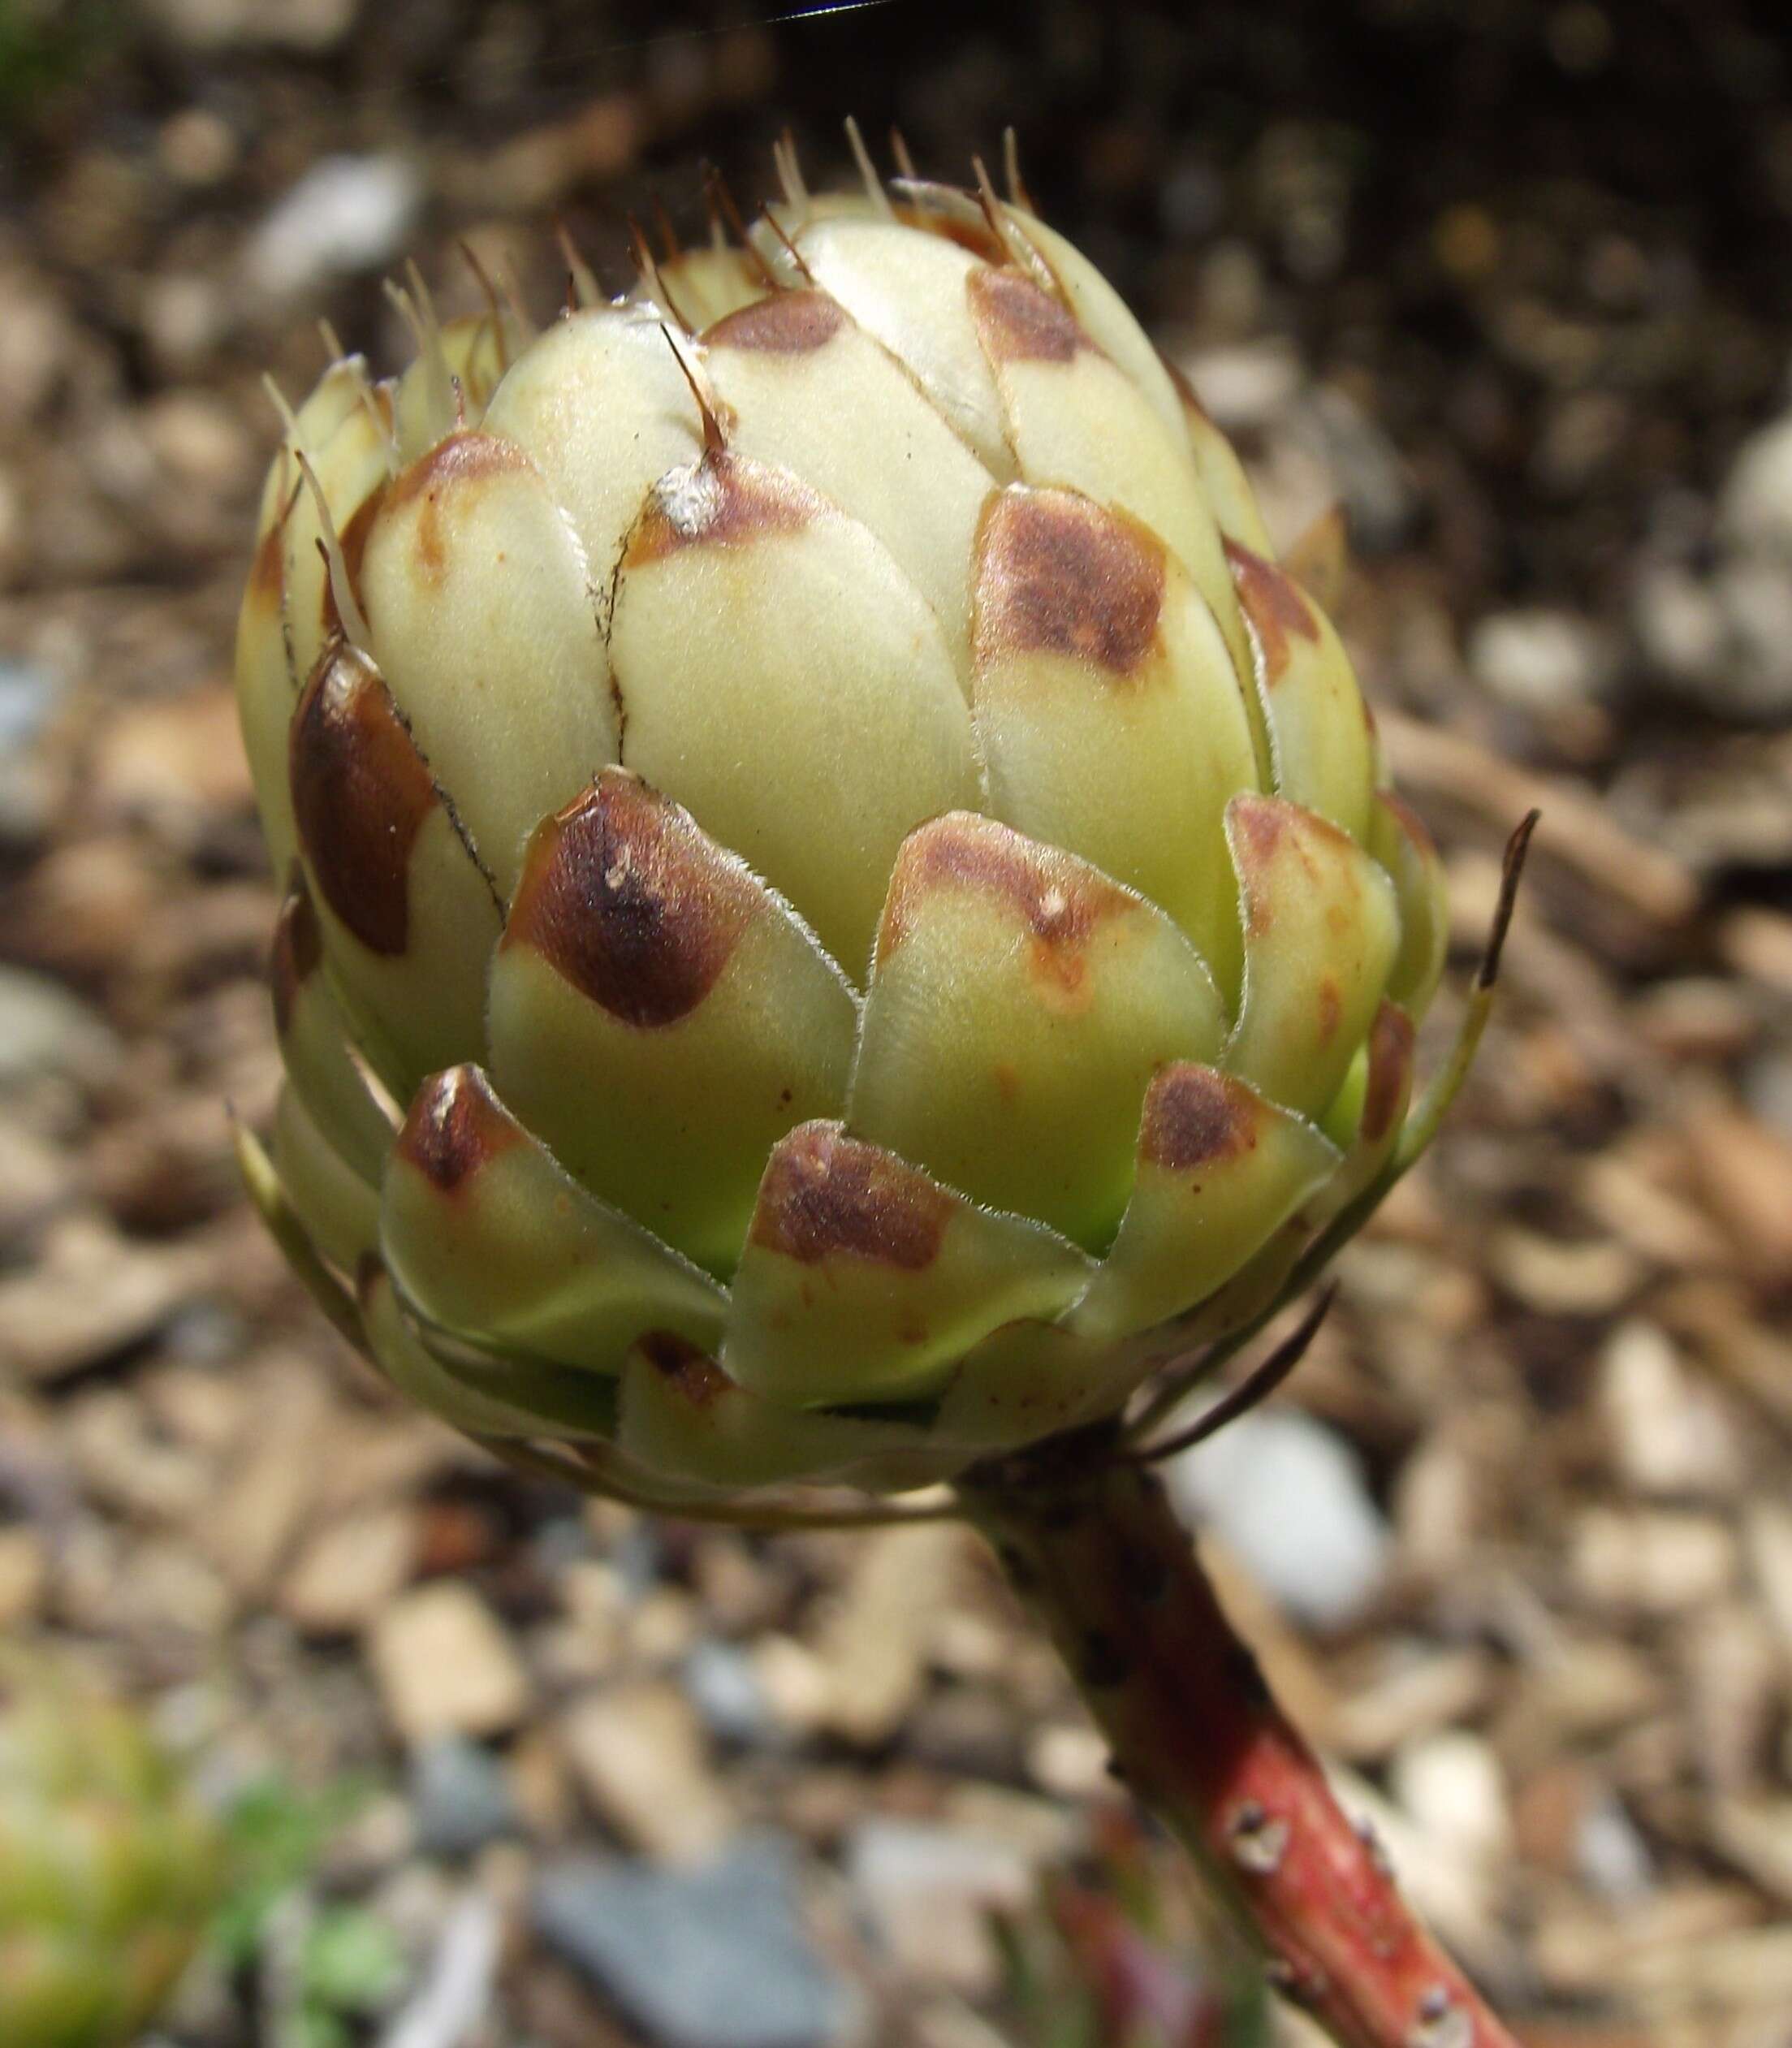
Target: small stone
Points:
x,y
346,215
461,1796
1610,1856
170,762
1758,944
1658,1562
28,696
1669,1434
1289,1498
185,316
716,1957
1733,1692
1745,1173
639,1754
1453,1789
1755,512
1679,623
1755,1834
1722,643
1541,661
444,1665
722,1683
1410,1692
36,1179
46,1030
1246,388
350,1569
124,1463
927,1893
1767,1089
1068,1761
874,1644
1754,682
251,1523
1767,1531
793,1680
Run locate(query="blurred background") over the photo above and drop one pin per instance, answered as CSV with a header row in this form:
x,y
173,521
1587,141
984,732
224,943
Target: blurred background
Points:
x,y
1507,280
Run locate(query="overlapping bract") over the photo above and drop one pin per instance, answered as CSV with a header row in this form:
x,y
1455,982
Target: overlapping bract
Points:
x,y
869,890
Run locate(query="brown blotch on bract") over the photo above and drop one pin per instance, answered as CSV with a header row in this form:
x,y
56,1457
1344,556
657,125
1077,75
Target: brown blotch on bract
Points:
x,y
1265,832
1018,321
624,895
1059,574
691,1373
361,793
826,1195
1274,605
268,572
722,501
788,323
1390,1067
1196,1117
1257,825
454,1126
1060,899
457,464
296,954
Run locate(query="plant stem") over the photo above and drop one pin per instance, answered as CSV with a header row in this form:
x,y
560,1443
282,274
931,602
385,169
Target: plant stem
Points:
x,y
1092,1546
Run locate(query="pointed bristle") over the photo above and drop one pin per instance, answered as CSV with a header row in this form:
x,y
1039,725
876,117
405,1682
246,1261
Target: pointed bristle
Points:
x,y
334,351
899,148
791,249
715,440
1018,195
288,418
672,249
425,301
400,300
514,304
653,277
370,404
708,174
874,185
342,588
489,291
790,172
720,196
1003,226
581,285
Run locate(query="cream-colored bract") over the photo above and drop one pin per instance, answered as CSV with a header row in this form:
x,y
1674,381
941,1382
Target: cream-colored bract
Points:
x,y
868,890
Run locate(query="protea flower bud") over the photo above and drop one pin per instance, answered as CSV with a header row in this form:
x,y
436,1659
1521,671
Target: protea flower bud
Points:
x,y
873,895
844,910
108,1872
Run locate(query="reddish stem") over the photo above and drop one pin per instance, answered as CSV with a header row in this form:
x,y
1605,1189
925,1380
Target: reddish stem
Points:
x,y
1095,1549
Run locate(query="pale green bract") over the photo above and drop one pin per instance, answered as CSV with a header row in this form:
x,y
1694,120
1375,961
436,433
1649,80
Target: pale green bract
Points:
x,y
842,908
